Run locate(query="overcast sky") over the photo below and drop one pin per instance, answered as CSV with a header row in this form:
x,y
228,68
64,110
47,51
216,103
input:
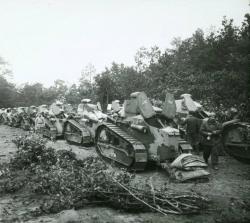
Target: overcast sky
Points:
x,y
44,40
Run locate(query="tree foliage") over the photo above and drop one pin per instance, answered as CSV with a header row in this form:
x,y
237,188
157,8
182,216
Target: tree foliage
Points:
x,y
214,68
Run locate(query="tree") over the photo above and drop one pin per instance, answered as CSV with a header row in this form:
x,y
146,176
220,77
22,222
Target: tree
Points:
x,y
73,96
7,93
7,89
86,88
145,57
105,88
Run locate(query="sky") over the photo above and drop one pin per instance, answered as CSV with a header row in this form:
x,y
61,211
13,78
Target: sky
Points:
x,y
45,40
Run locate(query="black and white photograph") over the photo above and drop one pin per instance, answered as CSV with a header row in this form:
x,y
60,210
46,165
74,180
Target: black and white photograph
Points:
x,y
125,111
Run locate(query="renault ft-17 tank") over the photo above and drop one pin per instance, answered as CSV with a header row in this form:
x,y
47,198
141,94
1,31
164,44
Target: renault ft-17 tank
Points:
x,y
5,116
13,118
2,114
236,140
235,134
54,120
139,135
18,116
81,128
68,110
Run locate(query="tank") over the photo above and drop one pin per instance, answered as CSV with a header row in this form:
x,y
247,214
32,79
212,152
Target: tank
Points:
x,y
18,117
235,134
13,119
6,116
138,135
55,119
68,110
81,128
236,140
2,114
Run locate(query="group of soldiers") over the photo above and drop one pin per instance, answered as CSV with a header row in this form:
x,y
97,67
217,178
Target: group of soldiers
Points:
x,y
205,135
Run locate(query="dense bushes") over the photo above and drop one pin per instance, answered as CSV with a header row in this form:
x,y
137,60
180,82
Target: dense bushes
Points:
x,y
57,180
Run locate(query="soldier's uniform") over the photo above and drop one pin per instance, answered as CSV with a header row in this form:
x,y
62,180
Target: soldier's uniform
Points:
x,y
210,132
193,125
39,123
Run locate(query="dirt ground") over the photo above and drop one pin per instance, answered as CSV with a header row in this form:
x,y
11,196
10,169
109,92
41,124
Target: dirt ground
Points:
x,y
228,189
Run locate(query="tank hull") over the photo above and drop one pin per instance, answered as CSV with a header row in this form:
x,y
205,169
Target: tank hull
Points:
x,y
236,140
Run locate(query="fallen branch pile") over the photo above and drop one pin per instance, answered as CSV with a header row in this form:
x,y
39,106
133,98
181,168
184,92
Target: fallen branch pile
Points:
x,y
65,182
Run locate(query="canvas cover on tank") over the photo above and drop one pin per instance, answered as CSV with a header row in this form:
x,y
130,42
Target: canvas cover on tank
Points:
x,y
189,103
68,108
56,108
20,110
138,104
32,109
145,107
131,107
43,108
116,106
169,108
90,111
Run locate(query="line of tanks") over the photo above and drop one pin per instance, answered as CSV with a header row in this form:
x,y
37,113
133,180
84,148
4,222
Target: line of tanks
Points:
x,y
131,135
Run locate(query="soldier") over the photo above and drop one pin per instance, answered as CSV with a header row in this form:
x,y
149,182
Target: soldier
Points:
x,y
210,131
193,125
39,123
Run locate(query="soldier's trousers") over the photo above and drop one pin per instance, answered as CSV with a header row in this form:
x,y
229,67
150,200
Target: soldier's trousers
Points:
x,y
211,150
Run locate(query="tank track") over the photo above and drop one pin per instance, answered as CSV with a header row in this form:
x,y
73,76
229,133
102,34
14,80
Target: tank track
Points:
x,y
81,136
135,158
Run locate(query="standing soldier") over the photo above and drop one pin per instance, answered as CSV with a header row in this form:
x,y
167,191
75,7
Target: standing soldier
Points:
x,y
39,123
210,132
193,125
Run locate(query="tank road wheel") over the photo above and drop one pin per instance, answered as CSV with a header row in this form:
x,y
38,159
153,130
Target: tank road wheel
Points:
x,y
236,142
